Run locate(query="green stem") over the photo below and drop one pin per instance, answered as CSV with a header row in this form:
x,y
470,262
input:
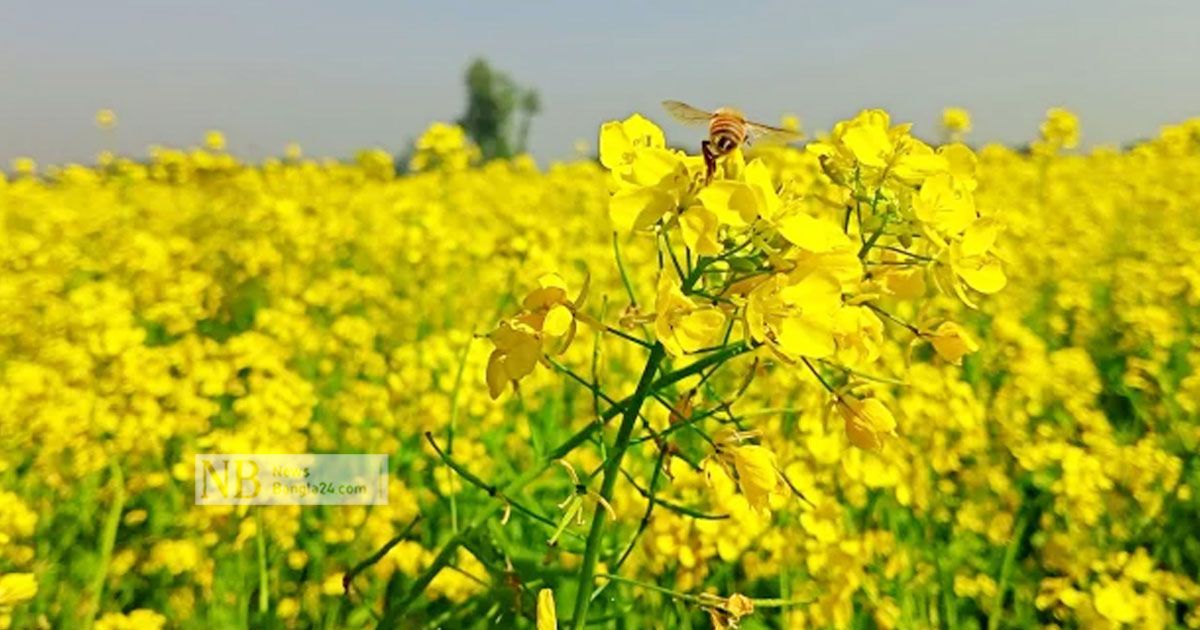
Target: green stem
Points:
x,y
862,375
589,385
626,336
651,497
870,242
1010,556
348,578
108,540
444,556
492,491
264,596
522,480
709,600
917,332
679,426
905,252
671,253
450,431
621,268
699,366
595,384
681,510
612,472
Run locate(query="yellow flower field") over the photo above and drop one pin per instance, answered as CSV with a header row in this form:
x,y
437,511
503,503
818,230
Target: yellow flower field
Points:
x,y
860,382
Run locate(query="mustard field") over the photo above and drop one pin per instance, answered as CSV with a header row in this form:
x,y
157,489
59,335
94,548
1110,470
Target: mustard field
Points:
x,y
861,381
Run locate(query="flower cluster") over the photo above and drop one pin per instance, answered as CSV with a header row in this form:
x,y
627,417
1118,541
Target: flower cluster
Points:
x,y
797,260
870,381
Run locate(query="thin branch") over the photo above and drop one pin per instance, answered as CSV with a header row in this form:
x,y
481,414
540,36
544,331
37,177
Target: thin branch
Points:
x,y
671,253
627,337
682,510
821,378
896,320
490,489
701,600
900,250
348,578
621,268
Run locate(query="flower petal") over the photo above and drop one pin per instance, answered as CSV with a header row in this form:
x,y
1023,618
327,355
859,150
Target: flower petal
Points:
x,y
558,321
807,337
638,208
812,234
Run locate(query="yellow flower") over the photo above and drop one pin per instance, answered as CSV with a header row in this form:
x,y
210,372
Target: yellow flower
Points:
x,y
887,614
16,588
661,168
867,138
214,140
757,474
971,259
547,316
679,324
24,166
517,352
739,605
333,584
638,208
297,559
733,202
841,263
797,316
1061,128
444,147
106,119
757,176
376,164
906,284
287,608
699,227
139,619
550,300
916,161
961,163
869,150
651,179
956,120
944,205
548,310
812,234
739,201
134,518
868,422
547,616
952,342
1116,601
727,614
858,332
175,556
620,141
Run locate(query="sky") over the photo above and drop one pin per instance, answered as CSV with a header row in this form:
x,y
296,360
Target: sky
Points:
x,y
339,76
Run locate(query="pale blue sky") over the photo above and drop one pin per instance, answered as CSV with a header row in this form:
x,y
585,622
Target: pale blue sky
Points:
x,y
337,76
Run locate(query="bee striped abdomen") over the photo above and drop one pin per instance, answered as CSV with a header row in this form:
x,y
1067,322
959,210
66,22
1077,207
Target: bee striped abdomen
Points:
x,y
726,132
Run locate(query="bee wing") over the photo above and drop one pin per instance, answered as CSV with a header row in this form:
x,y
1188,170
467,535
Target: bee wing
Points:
x,y
758,132
686,114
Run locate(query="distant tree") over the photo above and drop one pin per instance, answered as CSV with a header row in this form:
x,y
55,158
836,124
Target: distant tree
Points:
x,y
531,105
493,100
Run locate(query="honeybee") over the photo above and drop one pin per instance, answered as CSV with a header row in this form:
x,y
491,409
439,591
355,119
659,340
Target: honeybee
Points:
x,y
728,129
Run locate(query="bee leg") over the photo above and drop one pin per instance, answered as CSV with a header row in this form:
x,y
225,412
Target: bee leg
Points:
x,y
710,160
